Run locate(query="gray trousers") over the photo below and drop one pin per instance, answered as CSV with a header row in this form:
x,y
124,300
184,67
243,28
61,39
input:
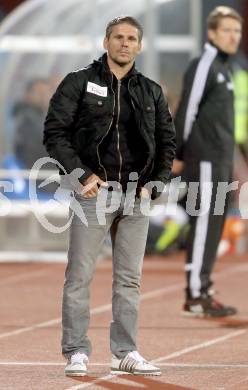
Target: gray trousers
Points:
x,y
128,235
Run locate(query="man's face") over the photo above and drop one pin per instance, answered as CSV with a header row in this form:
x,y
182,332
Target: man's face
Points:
x,y
123,44
227,35
40,94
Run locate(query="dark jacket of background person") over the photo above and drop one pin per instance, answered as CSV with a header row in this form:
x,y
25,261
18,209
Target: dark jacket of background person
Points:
x,y
78,122
29,115
28,134
205,118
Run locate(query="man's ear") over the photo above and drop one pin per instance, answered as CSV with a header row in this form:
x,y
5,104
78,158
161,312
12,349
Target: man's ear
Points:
x,y
140,47
211,34
105,43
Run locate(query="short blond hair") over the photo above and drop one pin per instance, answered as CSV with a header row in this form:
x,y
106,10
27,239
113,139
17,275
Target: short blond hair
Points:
x,y
220,13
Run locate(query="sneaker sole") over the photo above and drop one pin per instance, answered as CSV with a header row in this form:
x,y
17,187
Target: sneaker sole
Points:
x,y
68,373
152,373
204,315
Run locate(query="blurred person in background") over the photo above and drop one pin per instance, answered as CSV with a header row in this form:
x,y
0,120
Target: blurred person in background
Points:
x,y
112,122
205,146
29,115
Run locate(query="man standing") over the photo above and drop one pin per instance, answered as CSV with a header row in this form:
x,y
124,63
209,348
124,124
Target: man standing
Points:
x,y
112,122
205,144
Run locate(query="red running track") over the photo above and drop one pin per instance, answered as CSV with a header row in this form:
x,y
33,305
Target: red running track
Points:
x,y
199,354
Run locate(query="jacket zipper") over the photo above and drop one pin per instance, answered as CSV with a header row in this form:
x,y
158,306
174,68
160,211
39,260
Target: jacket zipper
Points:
x,y
97,150
117,128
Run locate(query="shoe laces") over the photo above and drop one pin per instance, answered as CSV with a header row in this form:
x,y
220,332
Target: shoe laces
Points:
x,y
136,356
79,357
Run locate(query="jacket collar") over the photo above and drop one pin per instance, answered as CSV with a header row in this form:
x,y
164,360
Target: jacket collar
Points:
x,y
103,64
220,53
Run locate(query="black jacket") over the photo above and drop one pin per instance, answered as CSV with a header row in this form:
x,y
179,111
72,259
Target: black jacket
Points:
x,y
80,116
205,119
118,150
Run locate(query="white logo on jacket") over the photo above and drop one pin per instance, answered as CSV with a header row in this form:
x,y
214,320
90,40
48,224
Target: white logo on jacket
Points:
x,y
230,86
97,89
220,78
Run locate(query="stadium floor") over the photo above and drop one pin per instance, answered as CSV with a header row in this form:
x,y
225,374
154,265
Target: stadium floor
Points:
x,y
199,354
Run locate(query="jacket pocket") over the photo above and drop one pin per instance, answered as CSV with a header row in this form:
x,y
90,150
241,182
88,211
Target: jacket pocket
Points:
x,y
149,116
93,107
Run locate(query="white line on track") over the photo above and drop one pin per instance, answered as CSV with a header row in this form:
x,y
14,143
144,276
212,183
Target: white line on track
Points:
x,y
205,344
6,363
203,365
172,355
145,296
96,310
94,382
55,321
23,276
101,309
178,365
31,364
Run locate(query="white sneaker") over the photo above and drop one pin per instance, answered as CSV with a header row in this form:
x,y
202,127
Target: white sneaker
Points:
x,y
134,364
77,365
